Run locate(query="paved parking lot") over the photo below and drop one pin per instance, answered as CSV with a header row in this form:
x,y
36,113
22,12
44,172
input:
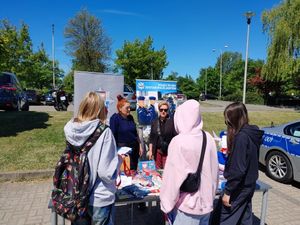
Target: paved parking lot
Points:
x,y
25,203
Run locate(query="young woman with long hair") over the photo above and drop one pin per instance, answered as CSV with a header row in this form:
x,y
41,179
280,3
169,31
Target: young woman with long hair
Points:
x,y
103,159
241,169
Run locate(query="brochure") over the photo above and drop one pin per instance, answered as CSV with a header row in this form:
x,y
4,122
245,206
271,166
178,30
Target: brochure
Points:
x,y
124,150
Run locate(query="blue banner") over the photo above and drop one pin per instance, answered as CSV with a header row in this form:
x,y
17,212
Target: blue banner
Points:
x,y
156,85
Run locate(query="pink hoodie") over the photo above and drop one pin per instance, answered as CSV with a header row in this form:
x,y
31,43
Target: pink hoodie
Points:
x,y
183,158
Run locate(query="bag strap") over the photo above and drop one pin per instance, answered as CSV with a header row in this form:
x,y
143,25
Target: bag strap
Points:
x,y
158,127
159,131
93,138
202,152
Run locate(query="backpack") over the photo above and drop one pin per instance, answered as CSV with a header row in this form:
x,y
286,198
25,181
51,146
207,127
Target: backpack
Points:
x,y
70,196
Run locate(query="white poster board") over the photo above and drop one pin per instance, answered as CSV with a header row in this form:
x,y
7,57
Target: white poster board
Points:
x,y
108,85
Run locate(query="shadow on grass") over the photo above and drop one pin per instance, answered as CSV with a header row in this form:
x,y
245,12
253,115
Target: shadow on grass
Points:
x,y
15,122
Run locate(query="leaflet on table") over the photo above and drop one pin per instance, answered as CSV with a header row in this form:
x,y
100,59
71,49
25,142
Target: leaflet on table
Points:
x,y
124,150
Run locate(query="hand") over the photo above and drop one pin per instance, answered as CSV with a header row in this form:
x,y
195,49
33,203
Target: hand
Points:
x,y
225,200
122,157
141,151
150,154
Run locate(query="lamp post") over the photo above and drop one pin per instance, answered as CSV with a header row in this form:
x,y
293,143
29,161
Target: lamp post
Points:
x,y
205,81
248,15
53,65
221,64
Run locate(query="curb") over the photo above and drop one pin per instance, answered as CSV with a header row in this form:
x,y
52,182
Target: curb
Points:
x,y
25,175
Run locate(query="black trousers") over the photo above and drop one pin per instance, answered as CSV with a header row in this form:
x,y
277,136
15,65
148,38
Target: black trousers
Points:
x,y
240,214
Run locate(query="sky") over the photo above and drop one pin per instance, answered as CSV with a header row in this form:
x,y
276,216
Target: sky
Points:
x,y
189,30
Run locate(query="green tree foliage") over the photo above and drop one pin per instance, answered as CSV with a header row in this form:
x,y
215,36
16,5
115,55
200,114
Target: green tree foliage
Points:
x,y
188,86
213,78
139,60
185,85
14,47
41,71
68,82
34,69
172,76
282,24
87,43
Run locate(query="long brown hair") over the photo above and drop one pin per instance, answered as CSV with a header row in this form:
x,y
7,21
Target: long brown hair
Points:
x,y
236,116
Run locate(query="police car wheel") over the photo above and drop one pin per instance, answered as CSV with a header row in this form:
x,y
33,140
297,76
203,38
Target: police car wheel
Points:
x,y
278,167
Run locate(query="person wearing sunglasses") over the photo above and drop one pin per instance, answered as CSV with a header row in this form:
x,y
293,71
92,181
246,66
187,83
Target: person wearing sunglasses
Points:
x,y
162,132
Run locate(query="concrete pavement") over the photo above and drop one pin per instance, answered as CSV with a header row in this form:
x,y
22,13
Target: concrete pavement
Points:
x,y
25,203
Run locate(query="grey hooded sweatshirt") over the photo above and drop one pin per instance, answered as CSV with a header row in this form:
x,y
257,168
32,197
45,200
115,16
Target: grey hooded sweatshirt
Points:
x,y
103,159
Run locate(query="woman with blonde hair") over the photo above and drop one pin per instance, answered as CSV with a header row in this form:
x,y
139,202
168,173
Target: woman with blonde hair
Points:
x,y
102,157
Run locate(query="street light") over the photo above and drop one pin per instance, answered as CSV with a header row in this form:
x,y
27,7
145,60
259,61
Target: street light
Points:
x,y
248,15
221,62
53,66
205,81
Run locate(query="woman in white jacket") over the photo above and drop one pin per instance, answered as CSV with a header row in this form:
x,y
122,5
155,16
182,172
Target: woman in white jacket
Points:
x,y
103,159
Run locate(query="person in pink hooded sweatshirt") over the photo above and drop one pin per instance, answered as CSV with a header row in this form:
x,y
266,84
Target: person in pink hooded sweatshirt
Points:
x,y
183,158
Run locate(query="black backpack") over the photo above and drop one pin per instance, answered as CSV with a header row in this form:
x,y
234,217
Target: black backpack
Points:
x,y
70,195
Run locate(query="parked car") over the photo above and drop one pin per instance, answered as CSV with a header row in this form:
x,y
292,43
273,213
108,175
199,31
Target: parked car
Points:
x,y
49,100
33,97
204,97
280,152
130,95
12,96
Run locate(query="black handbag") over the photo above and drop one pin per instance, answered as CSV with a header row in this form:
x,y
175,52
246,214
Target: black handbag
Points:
x,y
192,183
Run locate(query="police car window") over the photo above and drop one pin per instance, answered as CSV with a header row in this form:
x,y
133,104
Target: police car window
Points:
x,y
293,130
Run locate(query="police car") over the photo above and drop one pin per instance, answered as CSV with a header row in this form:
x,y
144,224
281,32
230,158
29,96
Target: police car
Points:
x,y
280,152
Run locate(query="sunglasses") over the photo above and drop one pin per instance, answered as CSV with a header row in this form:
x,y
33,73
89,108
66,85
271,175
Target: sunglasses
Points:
x,y
163,110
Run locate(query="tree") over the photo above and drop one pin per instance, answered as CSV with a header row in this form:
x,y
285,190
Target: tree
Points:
x,y
139,60
213,78
68,82
172,76
282,24
40,72
87,43
10,47
188,86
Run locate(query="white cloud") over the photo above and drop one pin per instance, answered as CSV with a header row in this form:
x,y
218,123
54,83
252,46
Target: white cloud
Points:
x,y
118,12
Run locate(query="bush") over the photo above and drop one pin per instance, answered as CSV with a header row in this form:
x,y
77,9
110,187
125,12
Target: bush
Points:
x,y
251,98
235,97
254,98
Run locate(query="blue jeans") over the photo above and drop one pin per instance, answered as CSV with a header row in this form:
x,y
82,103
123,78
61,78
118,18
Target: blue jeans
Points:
x,y
98,216
181,218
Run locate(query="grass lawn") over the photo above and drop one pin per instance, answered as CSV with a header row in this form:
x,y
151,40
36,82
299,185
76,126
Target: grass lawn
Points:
x,y
35,140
